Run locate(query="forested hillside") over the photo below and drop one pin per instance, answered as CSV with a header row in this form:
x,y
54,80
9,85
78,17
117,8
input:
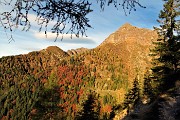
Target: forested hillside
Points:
x,y
68,78
107,82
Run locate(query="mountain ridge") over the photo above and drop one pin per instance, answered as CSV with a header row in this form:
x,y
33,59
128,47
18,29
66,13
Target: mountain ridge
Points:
x,y
129,43
109,69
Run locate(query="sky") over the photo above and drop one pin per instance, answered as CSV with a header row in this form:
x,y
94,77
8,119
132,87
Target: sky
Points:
x,y
103,24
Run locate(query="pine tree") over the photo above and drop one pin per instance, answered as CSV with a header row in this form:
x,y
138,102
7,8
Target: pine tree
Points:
x,y
91,109
133,96
166,53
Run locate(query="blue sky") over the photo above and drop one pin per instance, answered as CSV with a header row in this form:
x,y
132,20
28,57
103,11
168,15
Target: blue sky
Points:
x,y
103,22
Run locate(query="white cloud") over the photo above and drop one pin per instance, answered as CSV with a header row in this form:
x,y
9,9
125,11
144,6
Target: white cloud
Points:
x,y
34,20
67,38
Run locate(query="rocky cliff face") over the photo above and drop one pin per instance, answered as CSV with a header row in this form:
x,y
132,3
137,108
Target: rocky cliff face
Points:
x,y
133,46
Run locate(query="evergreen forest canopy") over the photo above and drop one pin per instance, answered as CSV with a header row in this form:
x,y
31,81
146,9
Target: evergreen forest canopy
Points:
x,y
70,16
96,84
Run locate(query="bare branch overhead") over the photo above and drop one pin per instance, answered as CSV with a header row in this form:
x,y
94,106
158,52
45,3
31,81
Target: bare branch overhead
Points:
x,y
68,16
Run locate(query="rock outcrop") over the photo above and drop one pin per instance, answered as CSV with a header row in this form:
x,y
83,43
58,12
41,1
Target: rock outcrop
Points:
x,y
77,51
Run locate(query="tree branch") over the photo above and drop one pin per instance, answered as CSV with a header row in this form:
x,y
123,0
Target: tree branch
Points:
x,y
70,16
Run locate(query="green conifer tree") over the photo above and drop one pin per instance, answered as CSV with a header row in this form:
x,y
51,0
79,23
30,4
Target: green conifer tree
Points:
x,y
166,62
148,91
91,109
133,96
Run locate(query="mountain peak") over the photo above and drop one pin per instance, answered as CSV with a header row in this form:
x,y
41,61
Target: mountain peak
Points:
x,y
126,25
131,34
54,50
132,45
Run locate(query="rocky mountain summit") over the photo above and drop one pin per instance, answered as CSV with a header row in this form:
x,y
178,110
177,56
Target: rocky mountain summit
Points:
x,y
131,34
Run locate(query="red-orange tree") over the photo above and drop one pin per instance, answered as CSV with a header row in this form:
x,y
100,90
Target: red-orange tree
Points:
x,y
71,87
